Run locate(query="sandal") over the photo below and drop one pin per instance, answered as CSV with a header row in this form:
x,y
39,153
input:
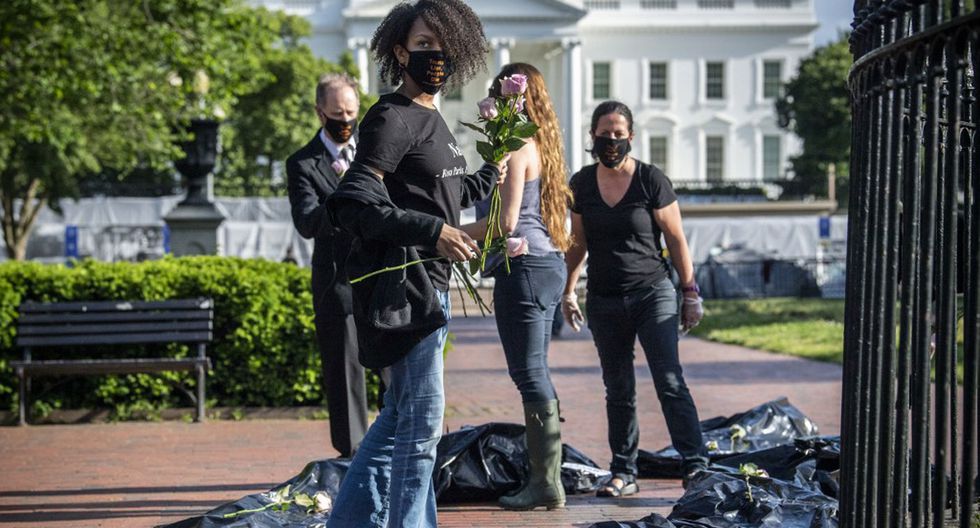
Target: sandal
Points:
x,y
612,489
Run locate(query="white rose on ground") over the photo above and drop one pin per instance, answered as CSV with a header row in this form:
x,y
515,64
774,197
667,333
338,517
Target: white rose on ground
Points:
x,y
322,502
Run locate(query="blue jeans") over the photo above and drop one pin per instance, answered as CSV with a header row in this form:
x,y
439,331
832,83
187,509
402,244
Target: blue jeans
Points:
x,y
389,482
524,306
616,322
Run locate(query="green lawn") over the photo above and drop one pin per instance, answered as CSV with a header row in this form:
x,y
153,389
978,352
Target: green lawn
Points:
x,y
809,328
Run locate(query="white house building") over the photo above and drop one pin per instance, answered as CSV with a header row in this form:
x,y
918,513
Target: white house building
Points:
x,y
700,75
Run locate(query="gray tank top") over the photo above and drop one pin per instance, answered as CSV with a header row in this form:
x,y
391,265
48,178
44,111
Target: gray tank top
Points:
x,y
529,222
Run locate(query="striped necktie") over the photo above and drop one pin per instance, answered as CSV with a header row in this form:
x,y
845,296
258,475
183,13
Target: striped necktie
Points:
x,y
347,153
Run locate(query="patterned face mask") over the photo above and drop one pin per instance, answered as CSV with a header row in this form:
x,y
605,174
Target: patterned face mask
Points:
x,y
340,131
610,152
429,69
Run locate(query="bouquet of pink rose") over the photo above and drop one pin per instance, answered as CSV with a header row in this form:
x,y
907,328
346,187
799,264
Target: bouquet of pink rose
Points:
x,y
506,129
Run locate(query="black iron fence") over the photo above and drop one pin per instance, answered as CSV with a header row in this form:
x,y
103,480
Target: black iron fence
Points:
x,y
909,451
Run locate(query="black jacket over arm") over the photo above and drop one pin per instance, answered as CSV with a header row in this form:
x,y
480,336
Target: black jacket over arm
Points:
x,y
478,186
310,180
394,311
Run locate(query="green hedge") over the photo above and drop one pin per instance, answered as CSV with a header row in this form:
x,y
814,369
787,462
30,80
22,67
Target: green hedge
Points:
x,y
264,351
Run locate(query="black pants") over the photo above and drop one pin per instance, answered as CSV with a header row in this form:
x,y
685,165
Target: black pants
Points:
x,y
616,322
342,381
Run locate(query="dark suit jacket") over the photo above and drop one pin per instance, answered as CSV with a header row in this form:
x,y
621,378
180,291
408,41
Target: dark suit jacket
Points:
x,y
310,181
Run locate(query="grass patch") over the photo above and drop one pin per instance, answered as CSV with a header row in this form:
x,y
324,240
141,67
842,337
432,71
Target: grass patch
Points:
x,y
807,328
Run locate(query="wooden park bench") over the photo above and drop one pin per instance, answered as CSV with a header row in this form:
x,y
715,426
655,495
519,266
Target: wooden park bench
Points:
x,y
68,326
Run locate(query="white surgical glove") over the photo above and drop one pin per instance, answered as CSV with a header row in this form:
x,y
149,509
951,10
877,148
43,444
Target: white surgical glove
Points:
x,y
692,311
571,311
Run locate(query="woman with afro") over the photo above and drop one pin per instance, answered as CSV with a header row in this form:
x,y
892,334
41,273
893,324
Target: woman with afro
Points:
x,y
401,200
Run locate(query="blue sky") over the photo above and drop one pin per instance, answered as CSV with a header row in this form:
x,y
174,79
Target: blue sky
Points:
x,y
832,15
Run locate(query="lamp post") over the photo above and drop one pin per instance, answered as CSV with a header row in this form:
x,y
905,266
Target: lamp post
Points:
x,y
194,222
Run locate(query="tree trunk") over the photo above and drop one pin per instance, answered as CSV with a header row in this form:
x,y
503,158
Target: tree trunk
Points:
x,y
17,228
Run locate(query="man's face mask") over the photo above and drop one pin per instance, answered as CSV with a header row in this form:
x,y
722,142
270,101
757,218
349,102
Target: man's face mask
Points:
x,y
429,69
340,131
610,152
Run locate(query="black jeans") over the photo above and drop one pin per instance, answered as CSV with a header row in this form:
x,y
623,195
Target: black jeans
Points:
x,y
616,322
525,303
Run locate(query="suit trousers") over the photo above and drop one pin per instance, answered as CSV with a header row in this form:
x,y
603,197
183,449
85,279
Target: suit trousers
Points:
x,y
342,381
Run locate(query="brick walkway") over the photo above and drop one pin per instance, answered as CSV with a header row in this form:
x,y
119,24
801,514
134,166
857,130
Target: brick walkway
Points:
x,y
143,474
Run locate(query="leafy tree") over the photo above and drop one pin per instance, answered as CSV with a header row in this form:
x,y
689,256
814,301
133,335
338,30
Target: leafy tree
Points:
x,y
271,122
104,87
816,107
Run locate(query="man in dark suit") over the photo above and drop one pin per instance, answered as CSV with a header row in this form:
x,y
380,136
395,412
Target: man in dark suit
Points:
x,y
313,173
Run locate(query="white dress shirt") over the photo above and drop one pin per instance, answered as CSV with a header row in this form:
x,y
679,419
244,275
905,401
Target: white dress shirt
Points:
x,y
334,149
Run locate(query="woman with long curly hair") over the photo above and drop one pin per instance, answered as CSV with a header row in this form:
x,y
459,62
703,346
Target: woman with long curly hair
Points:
x,y
534,201
401,199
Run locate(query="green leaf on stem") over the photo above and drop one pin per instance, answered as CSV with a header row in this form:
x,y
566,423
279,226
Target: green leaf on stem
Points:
x,y
303,499
503,106
525,130
486,151
476,128
493,129
514,144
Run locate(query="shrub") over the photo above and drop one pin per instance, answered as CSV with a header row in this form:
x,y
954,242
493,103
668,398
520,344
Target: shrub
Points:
x,y
264,350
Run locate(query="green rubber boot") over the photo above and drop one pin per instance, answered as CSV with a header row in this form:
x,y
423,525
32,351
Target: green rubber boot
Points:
x,y
543,486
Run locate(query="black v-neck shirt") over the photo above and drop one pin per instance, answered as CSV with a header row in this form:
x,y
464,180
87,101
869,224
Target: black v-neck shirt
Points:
x,y
623,240
424,168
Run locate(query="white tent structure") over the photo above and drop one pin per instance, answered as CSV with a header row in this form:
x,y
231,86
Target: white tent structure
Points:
x,y
121,229
114,229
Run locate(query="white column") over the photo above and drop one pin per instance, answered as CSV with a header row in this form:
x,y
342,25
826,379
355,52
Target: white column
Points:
x,y
573,102
360,48
501,52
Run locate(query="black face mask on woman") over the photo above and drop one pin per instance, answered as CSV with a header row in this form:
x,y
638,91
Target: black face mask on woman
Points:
x,y
610,152
429,69
340,131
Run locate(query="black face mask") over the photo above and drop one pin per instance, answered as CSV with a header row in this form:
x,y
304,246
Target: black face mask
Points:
x,y
340,131
610,152
429,69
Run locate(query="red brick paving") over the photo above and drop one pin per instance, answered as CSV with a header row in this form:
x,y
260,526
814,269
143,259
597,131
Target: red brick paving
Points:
x,y
143,474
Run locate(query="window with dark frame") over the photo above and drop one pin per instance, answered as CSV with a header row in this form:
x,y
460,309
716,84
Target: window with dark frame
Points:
x,y
714,80
658,152
714,156
772,158
658,80
716,4
772,79
658,4
601,84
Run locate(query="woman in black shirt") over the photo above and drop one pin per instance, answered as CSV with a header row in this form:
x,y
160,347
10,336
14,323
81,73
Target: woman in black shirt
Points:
x,y
401,200
621,208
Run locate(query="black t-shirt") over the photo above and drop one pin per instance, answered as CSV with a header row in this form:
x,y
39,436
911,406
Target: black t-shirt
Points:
x,y
423,167
624,240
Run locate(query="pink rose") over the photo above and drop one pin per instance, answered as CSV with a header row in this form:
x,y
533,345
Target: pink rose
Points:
x,y
339,166
516,246
519,104
488,108
514,85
